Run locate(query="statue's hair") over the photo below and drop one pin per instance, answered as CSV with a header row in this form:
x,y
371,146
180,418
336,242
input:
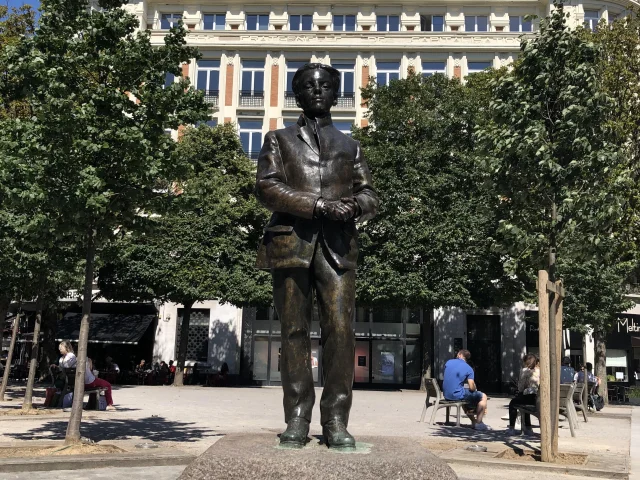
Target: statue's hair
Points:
x,y
335,76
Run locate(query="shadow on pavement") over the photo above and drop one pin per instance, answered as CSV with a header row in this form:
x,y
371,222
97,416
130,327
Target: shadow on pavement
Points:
x,y
466,433
156,429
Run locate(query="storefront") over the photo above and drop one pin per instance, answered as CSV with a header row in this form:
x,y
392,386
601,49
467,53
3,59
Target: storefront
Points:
x,y
388,347
572,342
623,350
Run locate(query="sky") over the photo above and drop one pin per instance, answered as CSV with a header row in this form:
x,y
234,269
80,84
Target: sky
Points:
x,y
18,3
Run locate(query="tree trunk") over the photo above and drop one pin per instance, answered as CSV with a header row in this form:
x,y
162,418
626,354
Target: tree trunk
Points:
x,y
27,404
178,380
50,352
427,346
600,361
73,428
5,377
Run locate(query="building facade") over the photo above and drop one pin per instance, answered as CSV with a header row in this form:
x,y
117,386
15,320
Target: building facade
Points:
x,y
250,52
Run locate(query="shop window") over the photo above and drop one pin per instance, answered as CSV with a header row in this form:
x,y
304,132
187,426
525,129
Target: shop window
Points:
x,y
617,365
476,23
475,67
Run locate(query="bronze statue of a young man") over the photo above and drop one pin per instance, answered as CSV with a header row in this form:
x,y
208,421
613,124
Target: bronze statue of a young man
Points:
x,y
317,184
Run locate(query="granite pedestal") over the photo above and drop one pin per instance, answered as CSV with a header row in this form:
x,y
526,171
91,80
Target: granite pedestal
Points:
x,y
258,456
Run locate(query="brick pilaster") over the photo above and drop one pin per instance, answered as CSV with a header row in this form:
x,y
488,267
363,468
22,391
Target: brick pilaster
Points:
x,y
365,79
273,124
228,94
457,72
227,119
364,123
275,82
185,70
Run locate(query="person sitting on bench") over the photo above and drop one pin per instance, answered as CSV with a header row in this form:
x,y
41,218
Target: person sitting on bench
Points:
x,y
528,385
91,381
456,372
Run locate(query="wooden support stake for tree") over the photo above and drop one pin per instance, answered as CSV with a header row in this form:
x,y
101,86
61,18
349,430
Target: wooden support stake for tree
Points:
x,y
543,335
558,300
7,369
554,378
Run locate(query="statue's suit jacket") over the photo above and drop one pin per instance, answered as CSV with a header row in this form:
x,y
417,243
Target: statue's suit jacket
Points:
x,y
293,173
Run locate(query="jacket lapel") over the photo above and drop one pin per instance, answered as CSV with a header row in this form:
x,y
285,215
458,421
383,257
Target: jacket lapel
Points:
x,y
306,134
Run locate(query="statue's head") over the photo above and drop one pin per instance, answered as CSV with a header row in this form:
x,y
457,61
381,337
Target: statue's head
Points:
x,y
316,87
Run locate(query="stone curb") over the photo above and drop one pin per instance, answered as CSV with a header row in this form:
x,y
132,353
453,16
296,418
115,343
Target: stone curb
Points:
x,y
82,462
584,471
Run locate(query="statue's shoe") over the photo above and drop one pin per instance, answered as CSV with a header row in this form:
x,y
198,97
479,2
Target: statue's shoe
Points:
x,y
336,436
296,433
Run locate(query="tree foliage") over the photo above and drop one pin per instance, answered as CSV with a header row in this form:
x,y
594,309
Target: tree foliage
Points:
x,y
204,246
88,158
429,244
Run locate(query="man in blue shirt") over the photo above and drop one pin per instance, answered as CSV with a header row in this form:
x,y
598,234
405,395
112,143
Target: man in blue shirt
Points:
x,y
566,371
456,372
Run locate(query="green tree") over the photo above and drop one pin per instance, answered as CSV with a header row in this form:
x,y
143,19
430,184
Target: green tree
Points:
x,y
88,158
562,179
204,246
430,244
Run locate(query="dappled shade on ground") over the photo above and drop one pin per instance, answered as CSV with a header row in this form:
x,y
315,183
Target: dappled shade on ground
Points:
x,y
156,429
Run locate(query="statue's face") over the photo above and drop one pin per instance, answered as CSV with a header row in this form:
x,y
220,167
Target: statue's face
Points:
x,y
316,96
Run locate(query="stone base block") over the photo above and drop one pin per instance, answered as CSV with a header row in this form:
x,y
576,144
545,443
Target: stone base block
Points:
x,y
258,456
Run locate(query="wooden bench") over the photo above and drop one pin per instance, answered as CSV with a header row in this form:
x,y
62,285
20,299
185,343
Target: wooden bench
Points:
x,y
69,386
435,394
567,409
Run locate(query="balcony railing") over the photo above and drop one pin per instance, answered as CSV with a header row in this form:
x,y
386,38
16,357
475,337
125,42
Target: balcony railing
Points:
x,y
251,99
290,100
346,101
212,97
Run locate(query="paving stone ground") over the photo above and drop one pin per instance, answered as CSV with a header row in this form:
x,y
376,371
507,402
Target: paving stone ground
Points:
x,y
193,418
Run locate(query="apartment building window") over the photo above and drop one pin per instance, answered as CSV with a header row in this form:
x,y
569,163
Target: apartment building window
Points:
x,y
251,137
289,96
252,84
170,20
388,23
520,24
347,84
258,22
169,78
300,22
429,68
209,80
212,21
591,19
343,126
432,23
476,23
475,67
387,71
344,23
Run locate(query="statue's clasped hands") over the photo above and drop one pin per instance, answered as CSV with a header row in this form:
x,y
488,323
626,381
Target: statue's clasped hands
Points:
x,y
341,210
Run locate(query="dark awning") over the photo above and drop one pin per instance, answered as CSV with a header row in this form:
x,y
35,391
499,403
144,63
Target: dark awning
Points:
x,y
105,327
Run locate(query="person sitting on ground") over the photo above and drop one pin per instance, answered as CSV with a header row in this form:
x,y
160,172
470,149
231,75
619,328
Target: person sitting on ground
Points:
x,y
456,372
528,386
567,373
591,378
91,381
